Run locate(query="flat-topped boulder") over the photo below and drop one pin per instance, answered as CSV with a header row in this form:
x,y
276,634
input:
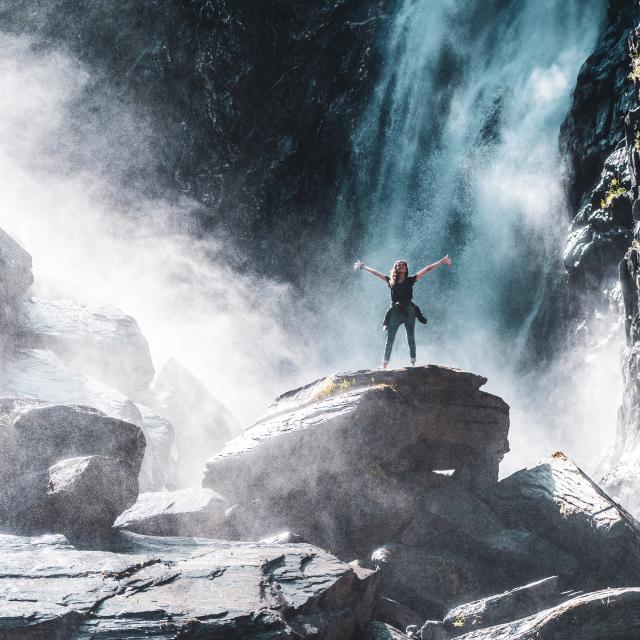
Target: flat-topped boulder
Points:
x,y
380,436
432,417
101,341
178,587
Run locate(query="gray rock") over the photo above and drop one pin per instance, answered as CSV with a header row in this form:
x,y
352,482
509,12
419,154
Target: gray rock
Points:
x,y
557,501
383,631
395,613
433,630
187,512
504,607
338,450
101,341
87,494
202,423
159,469
15,279
285,537
610,613
176,587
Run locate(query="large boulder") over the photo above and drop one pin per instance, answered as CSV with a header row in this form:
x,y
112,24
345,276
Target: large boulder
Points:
x,y
101,341
613,614
65,468
363,447
201,422
559,502
188,512
178,587
40,374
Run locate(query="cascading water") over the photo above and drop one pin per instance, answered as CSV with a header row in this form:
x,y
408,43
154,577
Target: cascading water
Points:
x,y
458,153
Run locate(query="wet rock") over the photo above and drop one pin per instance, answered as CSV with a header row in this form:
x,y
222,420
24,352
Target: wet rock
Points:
x,y
285,537
427,582
87,494
395,613
338,450
610,613
433,630
202,424
504,607
101,341
187,512
558,502
177,587
383,631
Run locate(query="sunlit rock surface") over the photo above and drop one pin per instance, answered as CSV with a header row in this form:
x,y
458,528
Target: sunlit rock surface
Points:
x,y
178,587
610,613
160,465
363,446
101,341
65,468
202,423
557,501
187,512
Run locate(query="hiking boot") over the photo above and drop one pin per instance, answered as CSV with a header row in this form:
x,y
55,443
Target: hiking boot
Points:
x,y
421,318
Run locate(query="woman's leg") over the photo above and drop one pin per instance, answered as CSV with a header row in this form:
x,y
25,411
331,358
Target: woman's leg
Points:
x,y
410,326
392,328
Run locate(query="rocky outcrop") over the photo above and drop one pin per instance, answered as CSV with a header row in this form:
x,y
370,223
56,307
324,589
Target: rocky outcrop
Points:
x,y
363,447
610,613
383,631
557,501
65,468
101,341
178,587
188,512
202,424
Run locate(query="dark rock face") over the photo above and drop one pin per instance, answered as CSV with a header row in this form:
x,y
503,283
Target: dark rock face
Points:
x,y
383,631
504,607
65,468
202,424
560,503
601,98
188,512
251,105
170,588
352,460
610,613
101,341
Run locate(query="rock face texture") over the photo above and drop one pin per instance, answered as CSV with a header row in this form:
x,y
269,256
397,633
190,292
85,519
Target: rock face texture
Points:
x,y
101,341
65,468
365,444
168,588
202,424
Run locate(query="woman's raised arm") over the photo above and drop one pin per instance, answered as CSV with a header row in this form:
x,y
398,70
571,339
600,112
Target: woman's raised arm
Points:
x,y
363,266
446,260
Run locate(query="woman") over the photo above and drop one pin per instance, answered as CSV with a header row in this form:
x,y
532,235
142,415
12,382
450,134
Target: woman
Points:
x,y
403,309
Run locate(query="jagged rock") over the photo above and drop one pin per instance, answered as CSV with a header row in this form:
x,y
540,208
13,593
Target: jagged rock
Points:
x,y
159,469
395,613
610,613
557,501
187,512
504,607
202,423
383,631
15,279
433,630
177,587
40,374
428,582
338,450
87,494
101,341
452,519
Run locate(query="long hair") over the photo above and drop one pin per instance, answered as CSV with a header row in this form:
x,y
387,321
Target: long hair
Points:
x,y
393,274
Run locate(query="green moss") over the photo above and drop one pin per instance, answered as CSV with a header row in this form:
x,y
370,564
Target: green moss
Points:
x,y
635,67
331,386
614,191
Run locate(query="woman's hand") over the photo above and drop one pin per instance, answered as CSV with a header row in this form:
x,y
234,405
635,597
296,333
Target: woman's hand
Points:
x,y
446,260
358,264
